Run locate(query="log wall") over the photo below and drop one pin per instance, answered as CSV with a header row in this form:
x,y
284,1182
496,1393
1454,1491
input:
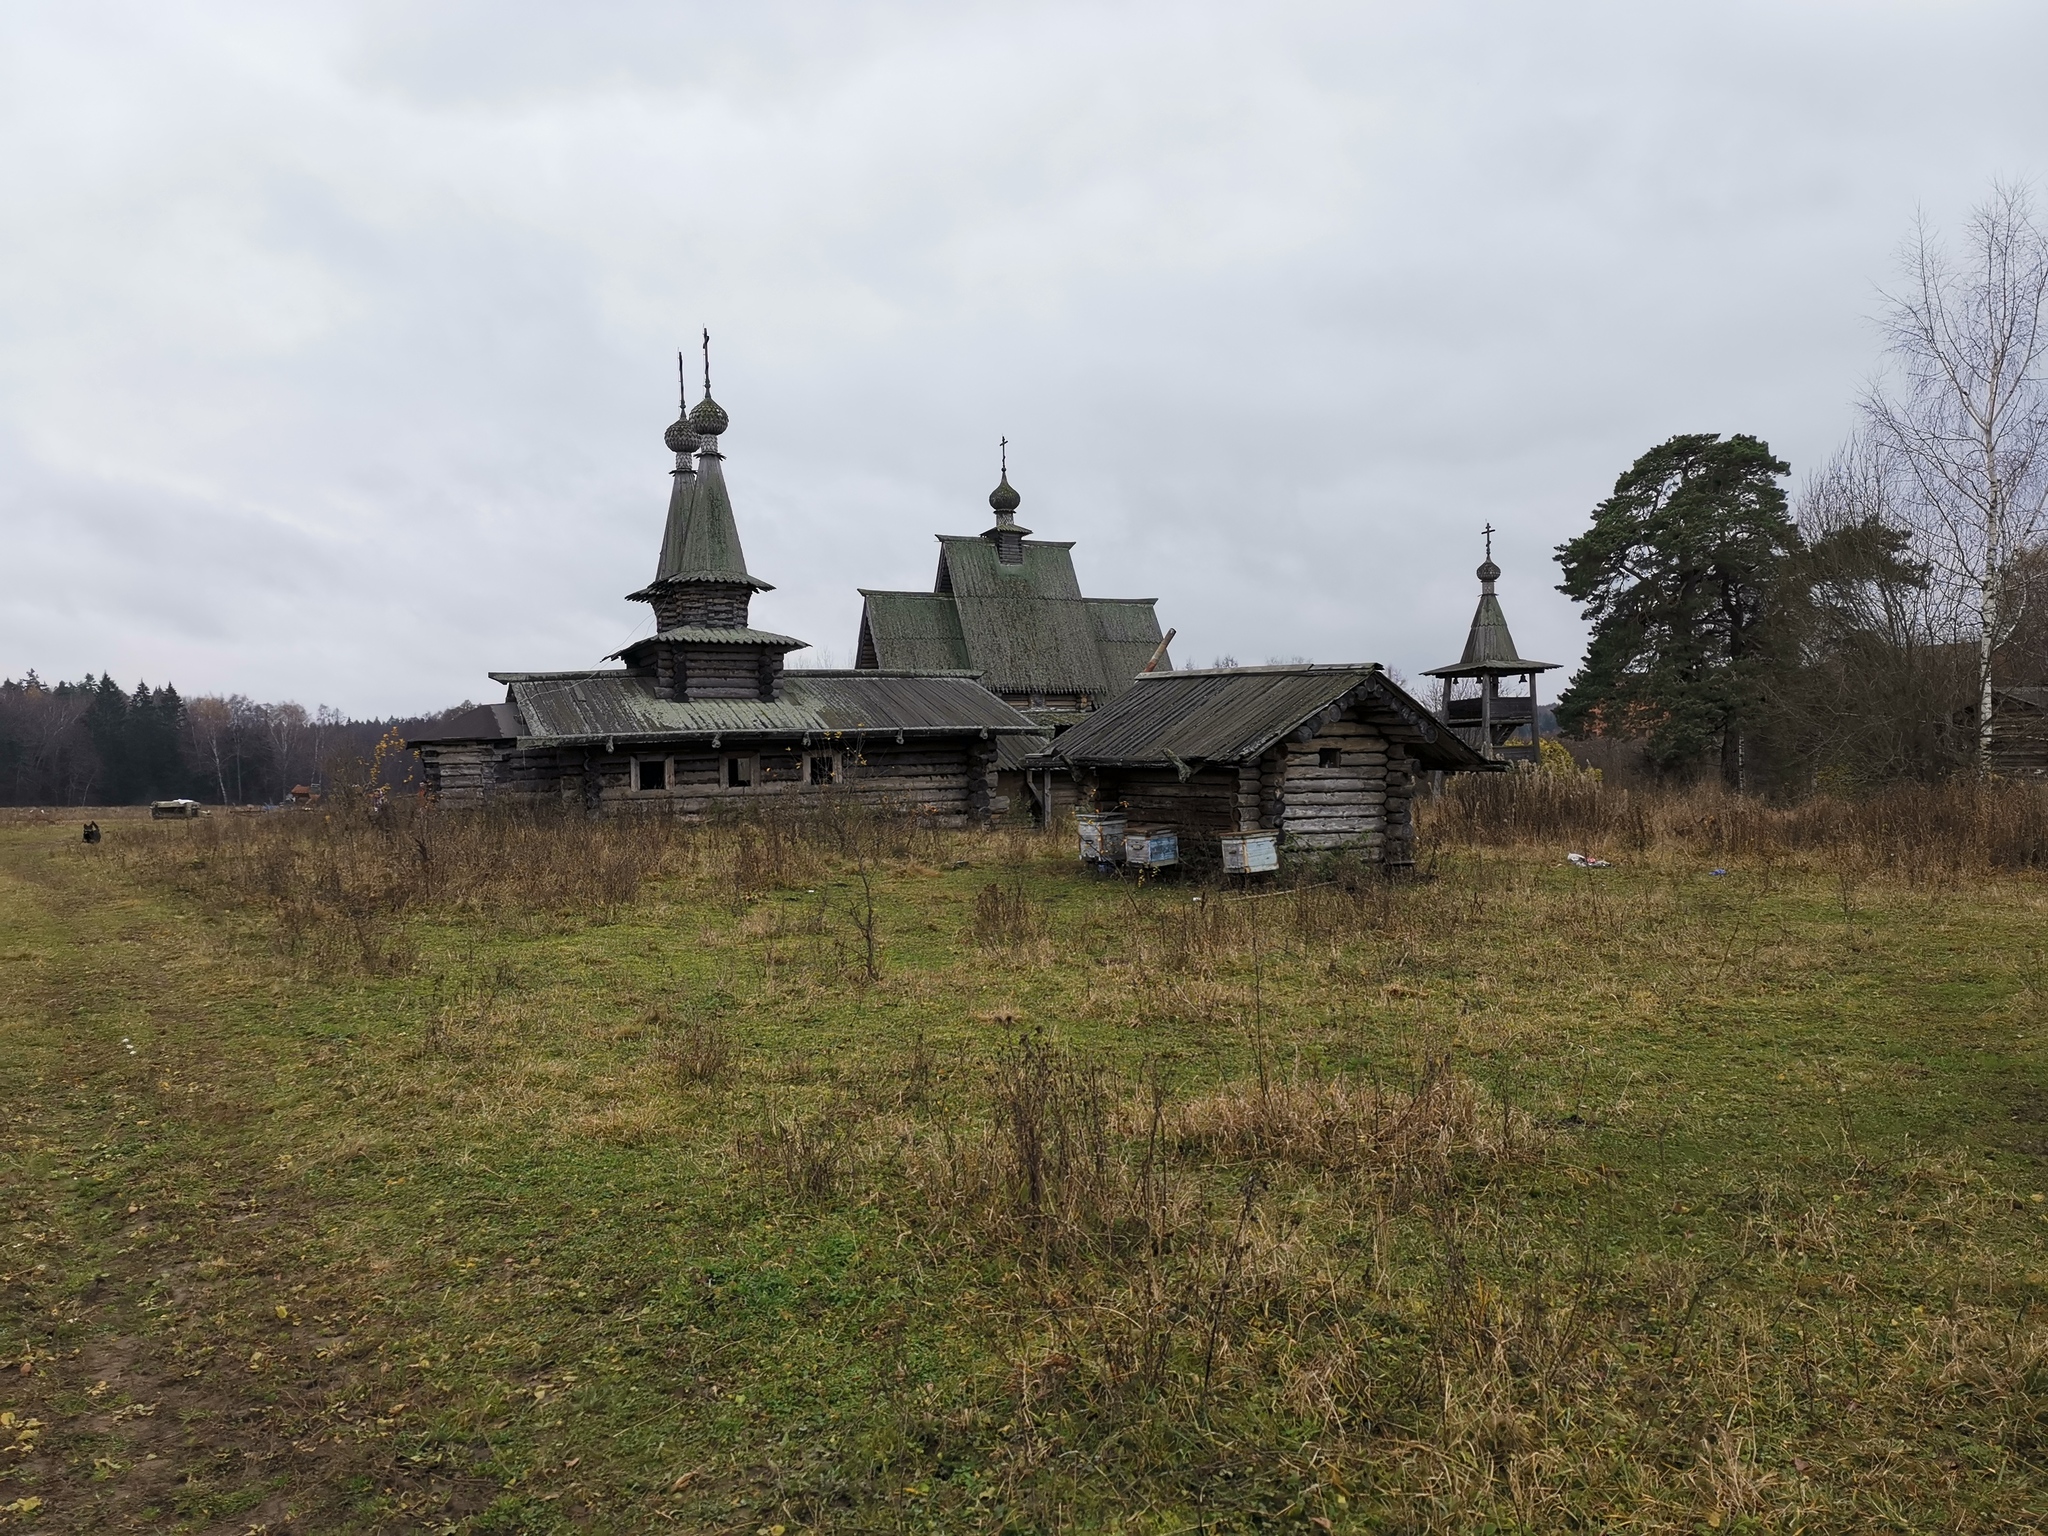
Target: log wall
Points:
x,y
713,604
1204,804
952,782
725,672
1339,804
2019,740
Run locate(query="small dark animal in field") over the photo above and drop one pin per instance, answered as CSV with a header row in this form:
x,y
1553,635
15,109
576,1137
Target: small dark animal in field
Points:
x,y
92,831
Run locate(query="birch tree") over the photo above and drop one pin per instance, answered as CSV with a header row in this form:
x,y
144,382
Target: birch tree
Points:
x,y
209,723
1964,419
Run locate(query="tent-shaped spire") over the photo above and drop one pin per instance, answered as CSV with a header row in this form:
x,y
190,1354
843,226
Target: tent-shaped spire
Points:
x,y
701,542
1489,648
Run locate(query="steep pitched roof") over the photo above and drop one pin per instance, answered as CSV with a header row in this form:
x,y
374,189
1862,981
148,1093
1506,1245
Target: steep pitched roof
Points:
x,y
1489,648
1233,714
1026,628
914,630
701,542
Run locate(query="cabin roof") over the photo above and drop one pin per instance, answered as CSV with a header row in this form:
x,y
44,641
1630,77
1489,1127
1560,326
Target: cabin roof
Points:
x,y
1233,714
485,722
608,705
1026,628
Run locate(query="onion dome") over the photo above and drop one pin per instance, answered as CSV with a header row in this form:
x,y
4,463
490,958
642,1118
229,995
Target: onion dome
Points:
x,y
709,417
1004,497
1488,571
681,437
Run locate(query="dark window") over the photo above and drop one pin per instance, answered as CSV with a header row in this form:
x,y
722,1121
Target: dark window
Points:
x,y
653,773
824,769
1330,757
739,772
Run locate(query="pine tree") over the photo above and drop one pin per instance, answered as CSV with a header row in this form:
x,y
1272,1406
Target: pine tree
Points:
x,y
1674,574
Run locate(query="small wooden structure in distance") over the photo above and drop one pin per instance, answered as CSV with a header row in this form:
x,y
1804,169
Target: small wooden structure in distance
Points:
x,y
1324,755
2019,731
1487,719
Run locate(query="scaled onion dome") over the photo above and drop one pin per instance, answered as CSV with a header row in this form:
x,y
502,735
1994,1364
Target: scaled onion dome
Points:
x,y
1004,497
1488,571
681,437
709,417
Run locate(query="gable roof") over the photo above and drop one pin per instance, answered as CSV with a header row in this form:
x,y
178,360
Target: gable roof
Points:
x,y
915,630
1233,714
611,705
2026,698
1026,628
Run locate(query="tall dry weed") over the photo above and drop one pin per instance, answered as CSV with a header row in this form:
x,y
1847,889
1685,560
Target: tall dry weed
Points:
x,y
1959,827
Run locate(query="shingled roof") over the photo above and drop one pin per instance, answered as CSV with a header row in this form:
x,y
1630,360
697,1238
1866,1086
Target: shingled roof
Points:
x,y
1026,627
607,705
701,542
1233,714
1489,648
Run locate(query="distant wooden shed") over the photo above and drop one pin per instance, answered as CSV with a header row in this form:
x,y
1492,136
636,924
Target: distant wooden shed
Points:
x,y
2019,732
1326,756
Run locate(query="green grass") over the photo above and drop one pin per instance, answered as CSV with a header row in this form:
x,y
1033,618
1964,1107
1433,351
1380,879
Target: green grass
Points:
x,y
455,1221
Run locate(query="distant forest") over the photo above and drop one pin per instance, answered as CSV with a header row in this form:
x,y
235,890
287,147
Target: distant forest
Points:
x,y
95,743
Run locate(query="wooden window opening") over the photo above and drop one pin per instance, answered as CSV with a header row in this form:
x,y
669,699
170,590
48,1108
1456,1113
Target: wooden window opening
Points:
x,y
650,773
739,771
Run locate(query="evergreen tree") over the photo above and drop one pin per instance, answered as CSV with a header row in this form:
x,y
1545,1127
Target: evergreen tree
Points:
x,y
154,769
106,725
1674,574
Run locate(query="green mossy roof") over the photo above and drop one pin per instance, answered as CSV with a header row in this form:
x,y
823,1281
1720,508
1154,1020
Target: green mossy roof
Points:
x,y
701,542
1026,628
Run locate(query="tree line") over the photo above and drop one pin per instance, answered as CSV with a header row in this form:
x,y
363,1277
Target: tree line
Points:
x,y
93,742
1878,629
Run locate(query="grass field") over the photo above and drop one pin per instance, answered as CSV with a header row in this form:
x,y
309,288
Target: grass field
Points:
x,y
509,1177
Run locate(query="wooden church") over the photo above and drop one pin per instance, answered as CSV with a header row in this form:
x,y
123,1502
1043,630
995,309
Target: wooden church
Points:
x,y
1009,608
703,712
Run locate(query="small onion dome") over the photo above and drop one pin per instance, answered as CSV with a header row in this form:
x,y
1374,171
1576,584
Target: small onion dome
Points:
x,y
1489,572
709,417
1004,497
681,437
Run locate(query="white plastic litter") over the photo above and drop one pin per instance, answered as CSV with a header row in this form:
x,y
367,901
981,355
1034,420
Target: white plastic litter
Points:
x,y
1585,863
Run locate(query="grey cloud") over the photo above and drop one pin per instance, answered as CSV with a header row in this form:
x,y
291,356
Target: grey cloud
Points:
x,y
336,342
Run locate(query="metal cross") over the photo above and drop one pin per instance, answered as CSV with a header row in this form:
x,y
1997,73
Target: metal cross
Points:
x,y
707,360
1006,458
1488,531
682,382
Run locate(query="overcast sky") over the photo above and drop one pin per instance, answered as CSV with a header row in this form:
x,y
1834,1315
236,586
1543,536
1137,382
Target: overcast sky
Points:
x,y
337,342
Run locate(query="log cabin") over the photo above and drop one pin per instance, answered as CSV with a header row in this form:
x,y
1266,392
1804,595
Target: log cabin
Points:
x,y
1325,756
2019,730
702,712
